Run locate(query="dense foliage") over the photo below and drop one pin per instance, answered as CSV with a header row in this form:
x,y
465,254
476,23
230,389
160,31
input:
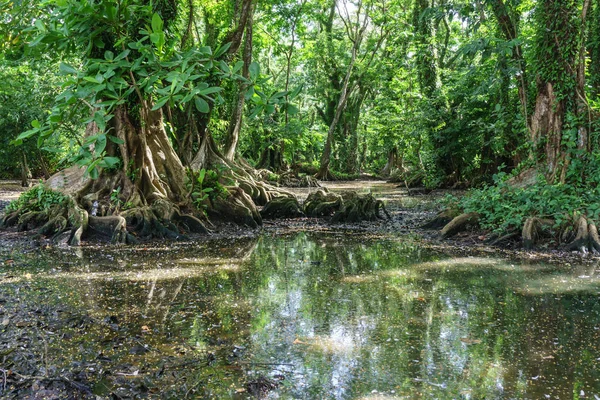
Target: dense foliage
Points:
x,y
437,93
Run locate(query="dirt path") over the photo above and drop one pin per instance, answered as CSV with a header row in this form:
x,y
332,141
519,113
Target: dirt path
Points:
x,y
9,191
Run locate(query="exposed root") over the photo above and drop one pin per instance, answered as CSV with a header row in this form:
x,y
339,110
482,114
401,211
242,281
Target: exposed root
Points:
x,y
594,238
325,175
237,207
496,240
533,229
581,242
114,226
356,208
322,203
441,219
459,224
349,207
292,179
282,207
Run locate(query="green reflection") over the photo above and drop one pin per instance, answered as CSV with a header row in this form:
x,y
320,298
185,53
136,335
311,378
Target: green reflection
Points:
x,y
338,318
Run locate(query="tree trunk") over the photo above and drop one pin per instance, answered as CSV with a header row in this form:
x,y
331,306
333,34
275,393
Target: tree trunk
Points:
x,y
324,172
594,52
561,81
391,162
235,123
25,171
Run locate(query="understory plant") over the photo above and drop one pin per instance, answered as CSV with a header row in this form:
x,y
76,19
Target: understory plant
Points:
x,y
504,206
38,198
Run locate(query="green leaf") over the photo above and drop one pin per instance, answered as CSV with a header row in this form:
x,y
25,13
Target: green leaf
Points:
x,y
254,70
157,23
295,93
92,171
122,55
36,124
224,67
221,50
209,90
91,79
160,102
238,65
256,111
40,25
115,139
292,109
66,68
109,162
201,105
109,55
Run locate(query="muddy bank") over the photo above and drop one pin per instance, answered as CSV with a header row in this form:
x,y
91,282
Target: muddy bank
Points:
x,y
408,212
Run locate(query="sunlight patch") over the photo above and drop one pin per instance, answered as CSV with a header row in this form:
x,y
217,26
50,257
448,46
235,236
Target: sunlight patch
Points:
x,y
560,284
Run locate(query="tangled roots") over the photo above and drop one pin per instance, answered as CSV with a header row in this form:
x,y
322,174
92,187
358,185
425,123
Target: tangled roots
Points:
x,y
322,203
292,179
64,221
162,219
441,219
68,222
356,208
282,207
348,207
237,207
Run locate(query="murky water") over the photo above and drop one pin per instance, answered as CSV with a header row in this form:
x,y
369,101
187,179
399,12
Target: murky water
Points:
x,y
322,316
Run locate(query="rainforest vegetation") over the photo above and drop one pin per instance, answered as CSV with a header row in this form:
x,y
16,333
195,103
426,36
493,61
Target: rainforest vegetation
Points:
x,y
157,115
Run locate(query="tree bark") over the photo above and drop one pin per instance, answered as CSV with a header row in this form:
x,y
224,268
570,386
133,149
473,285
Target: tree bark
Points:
x,y
324,172
560,82
235,123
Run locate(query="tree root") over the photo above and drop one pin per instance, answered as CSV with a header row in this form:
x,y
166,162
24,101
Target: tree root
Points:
x,y
292,179
586,237
459,224
497,239
113,226
441,219
237,207
348,207
533,229
356,208
157,220
282,207
322,203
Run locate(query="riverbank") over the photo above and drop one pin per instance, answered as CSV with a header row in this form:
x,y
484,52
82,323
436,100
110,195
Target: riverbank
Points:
x,y
408,212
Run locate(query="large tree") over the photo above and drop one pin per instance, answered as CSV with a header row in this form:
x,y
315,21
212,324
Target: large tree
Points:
x,y
142,65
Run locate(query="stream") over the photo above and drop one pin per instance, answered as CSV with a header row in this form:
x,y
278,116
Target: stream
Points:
x,y
321,315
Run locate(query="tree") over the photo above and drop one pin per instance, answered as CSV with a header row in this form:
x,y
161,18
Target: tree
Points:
x,y
133,70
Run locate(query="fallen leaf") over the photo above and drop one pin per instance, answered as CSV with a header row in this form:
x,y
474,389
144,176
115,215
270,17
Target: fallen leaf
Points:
x,y
145,329
298,341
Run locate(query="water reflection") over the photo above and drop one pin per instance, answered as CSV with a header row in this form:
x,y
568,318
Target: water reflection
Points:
x,y
331,318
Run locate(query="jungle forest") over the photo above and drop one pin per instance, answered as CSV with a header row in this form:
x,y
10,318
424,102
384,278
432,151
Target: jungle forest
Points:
x,y
345,199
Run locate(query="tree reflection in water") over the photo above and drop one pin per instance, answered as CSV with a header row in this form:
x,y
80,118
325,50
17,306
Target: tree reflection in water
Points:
x,y
343,319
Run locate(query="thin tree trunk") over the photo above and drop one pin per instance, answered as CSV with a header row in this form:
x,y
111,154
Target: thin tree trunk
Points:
x,y
235,123
25,171
324,172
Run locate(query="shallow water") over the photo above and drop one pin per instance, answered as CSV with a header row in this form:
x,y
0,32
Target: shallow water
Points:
x,y
323,315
